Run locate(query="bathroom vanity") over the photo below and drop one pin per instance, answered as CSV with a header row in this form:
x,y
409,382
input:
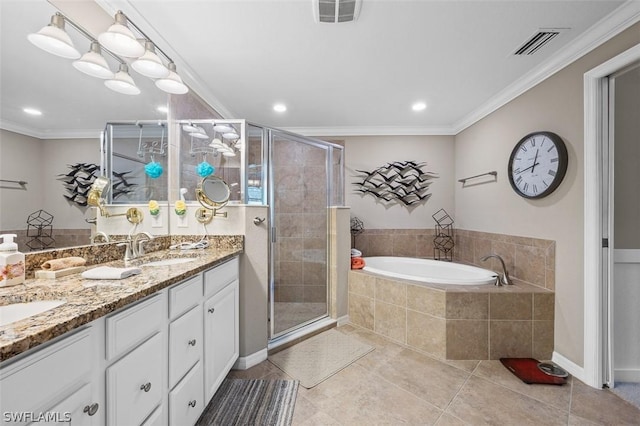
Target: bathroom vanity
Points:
x,y
150,349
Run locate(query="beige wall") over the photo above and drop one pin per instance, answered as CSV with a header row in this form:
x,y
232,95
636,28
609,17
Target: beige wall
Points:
x,y
627,158
370,152
39,162
555,105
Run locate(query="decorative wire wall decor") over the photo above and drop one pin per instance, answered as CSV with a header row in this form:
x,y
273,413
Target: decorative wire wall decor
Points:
x,y
357,228
401,182
78,181
443,242
40,230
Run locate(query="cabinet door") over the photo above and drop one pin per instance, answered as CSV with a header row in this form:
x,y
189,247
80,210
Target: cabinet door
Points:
x,y
135,383
77,409
221,336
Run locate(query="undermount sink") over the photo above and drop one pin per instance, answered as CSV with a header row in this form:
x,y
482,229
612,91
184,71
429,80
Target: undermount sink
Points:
x,y
19,311
171,261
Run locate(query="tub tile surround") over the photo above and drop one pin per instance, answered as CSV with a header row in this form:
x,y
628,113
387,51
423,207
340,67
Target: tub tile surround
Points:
x,y
459,323
528,260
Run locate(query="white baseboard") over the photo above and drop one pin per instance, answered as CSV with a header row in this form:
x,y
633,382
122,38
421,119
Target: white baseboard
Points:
x,y
627,375
343,320
246,362
574,369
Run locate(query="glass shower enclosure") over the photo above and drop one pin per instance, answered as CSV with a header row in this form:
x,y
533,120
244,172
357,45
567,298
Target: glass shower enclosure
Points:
x,y
304,178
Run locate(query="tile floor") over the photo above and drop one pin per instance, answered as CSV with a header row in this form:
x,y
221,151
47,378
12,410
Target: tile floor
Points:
x,y
395,385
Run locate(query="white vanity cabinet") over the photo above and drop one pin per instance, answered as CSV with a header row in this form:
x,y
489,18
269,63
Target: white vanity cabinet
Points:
x,y
52,385
221,324
155,362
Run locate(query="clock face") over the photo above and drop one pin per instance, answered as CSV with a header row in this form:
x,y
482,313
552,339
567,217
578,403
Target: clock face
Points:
x,y
537,164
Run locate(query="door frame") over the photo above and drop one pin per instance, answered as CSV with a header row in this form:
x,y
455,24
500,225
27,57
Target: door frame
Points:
x,y
597,310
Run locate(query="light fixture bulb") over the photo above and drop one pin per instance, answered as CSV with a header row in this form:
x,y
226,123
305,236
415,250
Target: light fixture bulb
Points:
x,y
150,64
190,128
216,143
120,39
54,39
229,153
279,107
232,136
93,63
172,83
32,111
222,128
199,135
419,106
122,82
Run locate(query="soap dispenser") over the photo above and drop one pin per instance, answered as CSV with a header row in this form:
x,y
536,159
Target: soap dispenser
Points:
x,y
11,262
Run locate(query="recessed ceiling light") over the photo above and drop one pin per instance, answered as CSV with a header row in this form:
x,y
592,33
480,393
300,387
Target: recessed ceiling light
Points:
x,y
279,107
419,106
163,109
32,111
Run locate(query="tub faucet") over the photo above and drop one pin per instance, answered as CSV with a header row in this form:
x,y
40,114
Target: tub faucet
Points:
x,y
504,279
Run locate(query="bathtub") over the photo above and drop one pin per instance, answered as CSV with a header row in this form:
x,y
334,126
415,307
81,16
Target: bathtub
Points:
x,y
428,271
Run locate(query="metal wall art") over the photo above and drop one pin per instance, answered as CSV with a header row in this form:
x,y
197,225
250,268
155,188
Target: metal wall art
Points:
x,y
400,182
78,182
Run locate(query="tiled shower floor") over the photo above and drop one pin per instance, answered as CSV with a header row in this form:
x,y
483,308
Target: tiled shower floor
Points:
x,y
394,385
289,314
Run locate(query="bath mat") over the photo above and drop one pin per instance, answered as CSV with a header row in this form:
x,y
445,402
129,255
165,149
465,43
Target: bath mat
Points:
x,y
320,357
251,402
628,391
526,369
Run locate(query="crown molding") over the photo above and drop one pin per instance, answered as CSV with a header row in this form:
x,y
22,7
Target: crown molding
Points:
x,y
48,134
602,31
371,131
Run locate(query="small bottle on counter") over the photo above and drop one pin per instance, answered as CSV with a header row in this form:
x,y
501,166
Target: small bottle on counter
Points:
x,y
12,266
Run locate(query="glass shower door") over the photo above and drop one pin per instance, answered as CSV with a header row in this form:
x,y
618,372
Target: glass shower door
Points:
x,y
298,200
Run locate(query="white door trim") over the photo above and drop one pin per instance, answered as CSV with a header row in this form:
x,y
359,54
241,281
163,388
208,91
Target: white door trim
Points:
x,y
593,138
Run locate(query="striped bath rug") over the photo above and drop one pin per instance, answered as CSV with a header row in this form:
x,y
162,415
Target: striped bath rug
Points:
x,y
251,402
320,357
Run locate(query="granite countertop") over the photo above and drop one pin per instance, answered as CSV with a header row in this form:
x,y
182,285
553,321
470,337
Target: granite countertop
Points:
x,y
88,300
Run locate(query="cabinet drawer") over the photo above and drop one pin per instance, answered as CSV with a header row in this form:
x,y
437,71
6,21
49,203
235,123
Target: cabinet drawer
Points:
x,y
186,401
217,278
134,324
184,296
56,370
185,344
135,385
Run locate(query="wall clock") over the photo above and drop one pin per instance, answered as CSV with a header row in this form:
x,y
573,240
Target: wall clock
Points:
x,y
537,164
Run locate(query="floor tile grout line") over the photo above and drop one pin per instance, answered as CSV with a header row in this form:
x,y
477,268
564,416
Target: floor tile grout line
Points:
x,y
445,410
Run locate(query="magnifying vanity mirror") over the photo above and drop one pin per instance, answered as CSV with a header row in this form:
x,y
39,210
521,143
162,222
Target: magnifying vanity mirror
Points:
x,y
96,197
213,194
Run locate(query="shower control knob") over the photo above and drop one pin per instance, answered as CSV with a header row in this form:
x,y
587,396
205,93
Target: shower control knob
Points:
x,y
258,220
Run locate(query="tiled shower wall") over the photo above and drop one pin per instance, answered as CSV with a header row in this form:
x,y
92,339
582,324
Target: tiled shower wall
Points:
x,y
301,223
530,260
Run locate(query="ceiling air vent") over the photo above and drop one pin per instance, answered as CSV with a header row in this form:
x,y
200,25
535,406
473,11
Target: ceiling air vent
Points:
x,y
335,11
538,41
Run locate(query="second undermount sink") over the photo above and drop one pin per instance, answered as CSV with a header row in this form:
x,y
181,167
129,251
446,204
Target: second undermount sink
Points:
x,y
19,311
170,261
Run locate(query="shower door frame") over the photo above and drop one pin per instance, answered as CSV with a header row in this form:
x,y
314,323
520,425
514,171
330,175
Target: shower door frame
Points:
x,y
328,147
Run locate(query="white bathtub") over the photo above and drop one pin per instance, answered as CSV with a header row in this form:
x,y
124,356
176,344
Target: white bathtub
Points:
x,y
428,271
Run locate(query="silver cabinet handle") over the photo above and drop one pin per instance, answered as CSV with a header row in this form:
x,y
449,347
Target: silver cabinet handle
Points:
x,y
211,310
192,342
146,387
91,409
192,403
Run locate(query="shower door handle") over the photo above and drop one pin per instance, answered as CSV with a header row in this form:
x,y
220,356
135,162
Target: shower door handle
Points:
x,y
273,234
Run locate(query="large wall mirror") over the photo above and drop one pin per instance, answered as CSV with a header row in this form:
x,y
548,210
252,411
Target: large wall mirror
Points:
x,y
40,155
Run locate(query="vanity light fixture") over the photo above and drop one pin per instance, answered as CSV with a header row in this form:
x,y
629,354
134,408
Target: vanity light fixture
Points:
x,y
150,65
93,63
54,39
120,39
122,82
172,83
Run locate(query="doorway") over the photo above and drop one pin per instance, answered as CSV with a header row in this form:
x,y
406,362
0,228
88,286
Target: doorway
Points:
x,y
599,308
